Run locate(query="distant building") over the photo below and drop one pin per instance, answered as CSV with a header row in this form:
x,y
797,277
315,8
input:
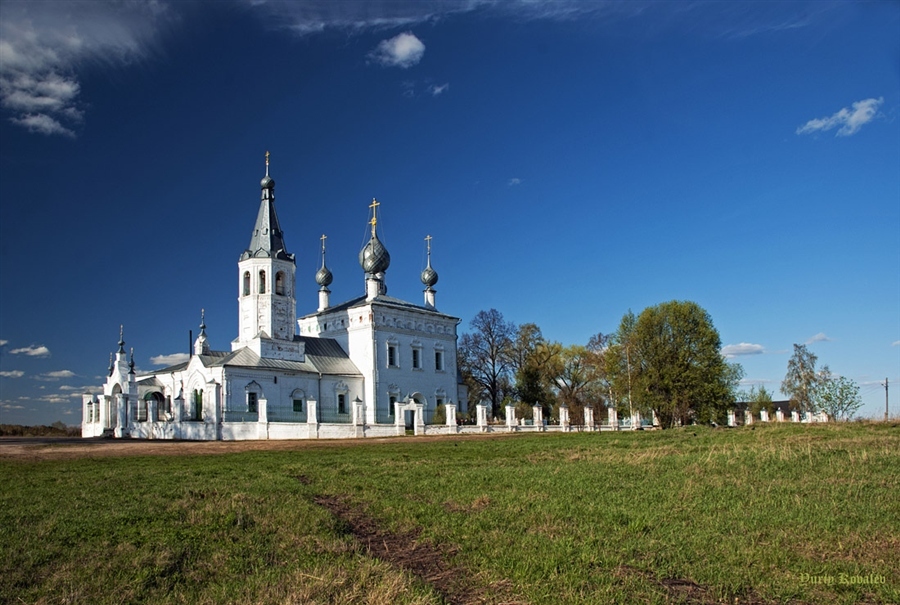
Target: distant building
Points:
x,y
366,367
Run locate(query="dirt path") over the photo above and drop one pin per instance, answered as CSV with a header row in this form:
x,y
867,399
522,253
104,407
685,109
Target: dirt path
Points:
x,y
67,448
420,558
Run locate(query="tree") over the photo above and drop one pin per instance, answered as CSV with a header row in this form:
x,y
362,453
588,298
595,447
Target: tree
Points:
x,y
801,381
838,397
573,374
532,360
757,400
484,357
617,364
674,366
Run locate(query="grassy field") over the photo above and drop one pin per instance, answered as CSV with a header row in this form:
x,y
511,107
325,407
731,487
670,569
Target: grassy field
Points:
x,y
778,514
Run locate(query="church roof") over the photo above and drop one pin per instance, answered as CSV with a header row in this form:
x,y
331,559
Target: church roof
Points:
x,y
322,356
267,240
380,300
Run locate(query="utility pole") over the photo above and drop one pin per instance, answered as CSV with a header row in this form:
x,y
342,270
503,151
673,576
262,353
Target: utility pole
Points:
x,y
885,399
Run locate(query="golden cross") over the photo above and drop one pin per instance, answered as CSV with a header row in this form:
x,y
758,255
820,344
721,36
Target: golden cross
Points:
x,y
374,206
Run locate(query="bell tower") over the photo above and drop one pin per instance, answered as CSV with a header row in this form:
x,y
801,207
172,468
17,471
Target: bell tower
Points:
x,y
266,277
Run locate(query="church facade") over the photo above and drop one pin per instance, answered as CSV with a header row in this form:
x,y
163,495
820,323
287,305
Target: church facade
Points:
x,y
371,366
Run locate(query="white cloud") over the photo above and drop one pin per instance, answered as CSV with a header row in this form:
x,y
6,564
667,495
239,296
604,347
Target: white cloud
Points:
x,y
54,399
514,181
42,124
741,349
896,343
437,90
312,16
820,337
9,406
849,119
44,44
32,351
3,343
57,375
169,360
403,50
12,374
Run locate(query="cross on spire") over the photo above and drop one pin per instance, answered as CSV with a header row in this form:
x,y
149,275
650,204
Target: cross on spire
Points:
x,y
428,241
267,163
374,206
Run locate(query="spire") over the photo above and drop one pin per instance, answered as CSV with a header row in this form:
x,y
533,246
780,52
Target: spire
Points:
x,y
111,366
374,257
324,278
121,339
429,277
323,275
131,363
267,240
201,345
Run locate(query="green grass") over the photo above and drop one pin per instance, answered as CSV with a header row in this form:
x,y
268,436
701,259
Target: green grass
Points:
x,y
736,515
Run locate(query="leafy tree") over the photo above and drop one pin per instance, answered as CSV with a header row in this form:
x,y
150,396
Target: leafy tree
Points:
x,y
618,364
576,375
484,357
758,400
800,382
674,365
532,359
838,397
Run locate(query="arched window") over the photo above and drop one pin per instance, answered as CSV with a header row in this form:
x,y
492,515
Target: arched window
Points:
x,y
198,405
262,282
246,283
253,391
297,400
279,283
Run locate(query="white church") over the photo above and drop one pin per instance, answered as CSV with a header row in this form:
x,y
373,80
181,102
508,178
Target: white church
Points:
x,y
370,366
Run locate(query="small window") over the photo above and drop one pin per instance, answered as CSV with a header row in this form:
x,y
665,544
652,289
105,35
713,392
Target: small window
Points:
x,y
392,356
439,361
279,283
391,407
415,359
298,405
342,403
262,282
142,410
246,283
252,402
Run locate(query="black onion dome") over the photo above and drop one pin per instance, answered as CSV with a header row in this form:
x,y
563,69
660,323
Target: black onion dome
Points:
x,y
374,257
324,277
429,276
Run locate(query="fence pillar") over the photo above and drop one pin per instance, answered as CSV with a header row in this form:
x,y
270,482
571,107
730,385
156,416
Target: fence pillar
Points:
x,y
511,418
481,414
450,411
312,418
538,415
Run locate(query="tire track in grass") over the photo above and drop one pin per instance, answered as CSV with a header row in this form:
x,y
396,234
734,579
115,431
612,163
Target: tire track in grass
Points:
x,y
420,558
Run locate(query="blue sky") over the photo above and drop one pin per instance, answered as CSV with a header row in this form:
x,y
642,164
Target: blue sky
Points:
x,y
572,161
